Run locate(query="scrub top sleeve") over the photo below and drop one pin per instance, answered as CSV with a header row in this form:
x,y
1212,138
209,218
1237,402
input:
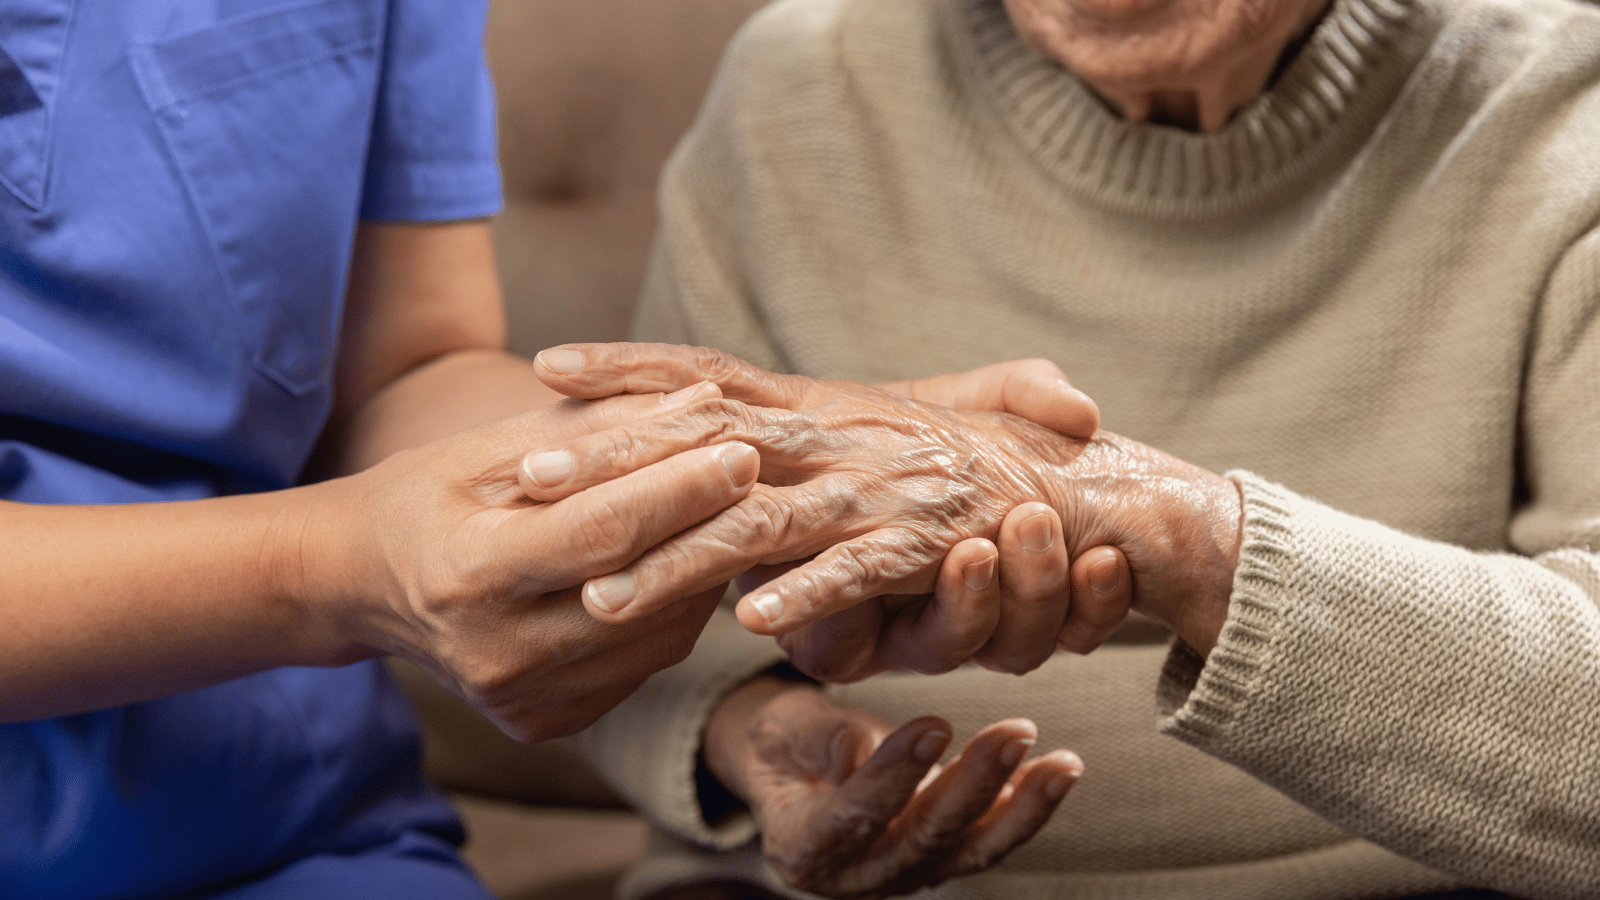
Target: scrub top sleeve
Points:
x,y
432,154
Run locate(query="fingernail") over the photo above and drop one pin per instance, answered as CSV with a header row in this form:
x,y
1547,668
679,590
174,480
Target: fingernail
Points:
x,y
1036,534
1105,576
979,575
1013,752
741,461
770,606
612,592
550,468
565,362
930,747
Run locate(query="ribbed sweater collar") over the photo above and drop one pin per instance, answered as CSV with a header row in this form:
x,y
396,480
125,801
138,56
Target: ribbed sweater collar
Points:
x,y
1315,116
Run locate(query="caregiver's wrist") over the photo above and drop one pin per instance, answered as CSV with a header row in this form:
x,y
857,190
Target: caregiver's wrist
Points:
x,y
320,553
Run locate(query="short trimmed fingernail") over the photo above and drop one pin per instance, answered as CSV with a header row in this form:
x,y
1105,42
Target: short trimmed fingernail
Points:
x,y
1105,576
565,362
769,606
741,461
1013,752
979,575
930,746
550,468
1036,533
612,592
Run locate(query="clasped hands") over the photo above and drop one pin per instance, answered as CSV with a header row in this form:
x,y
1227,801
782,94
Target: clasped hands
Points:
x,y
871,541
887,529
870,498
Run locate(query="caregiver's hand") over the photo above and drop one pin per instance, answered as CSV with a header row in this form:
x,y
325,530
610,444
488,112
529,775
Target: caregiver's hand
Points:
x,y
442,559
841,801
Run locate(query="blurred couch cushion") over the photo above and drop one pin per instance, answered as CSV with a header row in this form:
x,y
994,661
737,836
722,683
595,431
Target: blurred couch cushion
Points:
x,y
593,96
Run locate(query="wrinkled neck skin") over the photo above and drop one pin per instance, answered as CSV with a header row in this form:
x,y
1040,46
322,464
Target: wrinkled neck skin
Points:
x,y
1190,64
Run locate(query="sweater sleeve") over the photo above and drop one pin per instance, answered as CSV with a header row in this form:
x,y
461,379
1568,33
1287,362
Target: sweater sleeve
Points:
x,y
648,747
1440,702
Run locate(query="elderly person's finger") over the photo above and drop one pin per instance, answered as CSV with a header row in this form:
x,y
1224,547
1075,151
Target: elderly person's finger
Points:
x,y
1032,388
841,576
1033,573
1031,798
590,371
858,813
937,822
839,648
1102,594
944,631
926,633
773,525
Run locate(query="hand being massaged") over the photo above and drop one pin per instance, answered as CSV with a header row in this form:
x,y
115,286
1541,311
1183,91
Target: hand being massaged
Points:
x,y
865,493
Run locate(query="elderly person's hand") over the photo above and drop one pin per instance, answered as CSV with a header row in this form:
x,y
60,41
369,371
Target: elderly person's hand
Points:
x,y
454,568
883,487
847,809
982,585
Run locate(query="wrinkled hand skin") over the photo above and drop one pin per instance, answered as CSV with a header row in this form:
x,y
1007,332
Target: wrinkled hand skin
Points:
x,y
878,488
841,800
1004,625
464,575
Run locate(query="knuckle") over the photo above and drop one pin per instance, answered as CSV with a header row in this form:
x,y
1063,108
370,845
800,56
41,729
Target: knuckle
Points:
x,y
674,646
715,365
975,859
765,516
853,826
490,681
799,867
891,555
932,836
603,532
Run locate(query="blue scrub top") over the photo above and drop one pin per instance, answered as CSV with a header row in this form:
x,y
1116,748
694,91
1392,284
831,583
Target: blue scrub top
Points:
x,y
179,186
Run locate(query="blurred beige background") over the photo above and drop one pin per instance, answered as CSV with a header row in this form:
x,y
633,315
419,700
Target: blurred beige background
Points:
x,y
593,96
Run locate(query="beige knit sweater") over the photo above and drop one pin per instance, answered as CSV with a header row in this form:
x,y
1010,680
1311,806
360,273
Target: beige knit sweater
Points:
x,y
1377,288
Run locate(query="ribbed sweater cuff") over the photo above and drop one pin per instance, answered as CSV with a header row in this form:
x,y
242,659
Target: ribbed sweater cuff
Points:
x,y
1197,698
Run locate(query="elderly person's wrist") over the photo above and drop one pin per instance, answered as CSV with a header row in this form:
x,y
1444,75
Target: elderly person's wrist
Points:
x,y
1177,524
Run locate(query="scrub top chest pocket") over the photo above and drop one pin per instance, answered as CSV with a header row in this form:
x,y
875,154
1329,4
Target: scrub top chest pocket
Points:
x,y
267,118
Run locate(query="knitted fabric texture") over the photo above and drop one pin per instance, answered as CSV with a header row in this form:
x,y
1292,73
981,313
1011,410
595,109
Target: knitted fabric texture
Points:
x,y
1372,298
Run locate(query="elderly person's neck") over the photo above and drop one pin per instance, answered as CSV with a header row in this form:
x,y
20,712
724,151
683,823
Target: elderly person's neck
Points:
x,y
1187,63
